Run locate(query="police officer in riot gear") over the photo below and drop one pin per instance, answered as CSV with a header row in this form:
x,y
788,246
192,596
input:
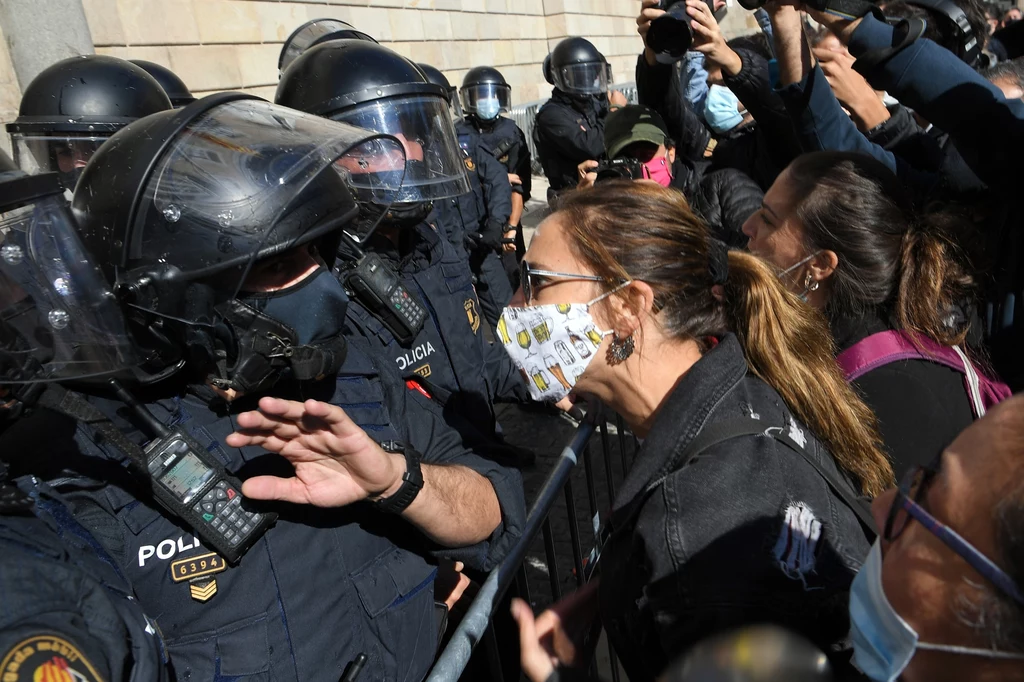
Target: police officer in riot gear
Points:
x,y
67,612
314,32
476,221
443,353
176,90
570,126
435,76
217,226
74,106
485,95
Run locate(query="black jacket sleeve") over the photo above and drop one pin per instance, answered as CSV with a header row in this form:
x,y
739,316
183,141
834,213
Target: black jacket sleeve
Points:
x,y
497,197
570,138
753,87
725,199
656,88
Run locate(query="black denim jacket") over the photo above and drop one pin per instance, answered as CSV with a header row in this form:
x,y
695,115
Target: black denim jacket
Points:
x,y
747,532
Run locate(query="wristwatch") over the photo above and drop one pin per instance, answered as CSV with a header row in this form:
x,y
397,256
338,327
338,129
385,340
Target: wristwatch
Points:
x,y
412,479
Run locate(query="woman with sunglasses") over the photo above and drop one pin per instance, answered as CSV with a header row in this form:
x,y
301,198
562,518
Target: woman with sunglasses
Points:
x,y
626,300
939,598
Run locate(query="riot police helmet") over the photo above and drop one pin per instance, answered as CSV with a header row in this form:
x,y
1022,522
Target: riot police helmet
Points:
x,y
59,320
370,86
179,207
74,106
578,68
314,32
435,76
485,94
176,90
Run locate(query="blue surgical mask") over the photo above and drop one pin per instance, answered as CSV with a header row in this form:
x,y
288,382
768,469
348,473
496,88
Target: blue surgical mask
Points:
x,y
315,307
721,109
884,643
488,108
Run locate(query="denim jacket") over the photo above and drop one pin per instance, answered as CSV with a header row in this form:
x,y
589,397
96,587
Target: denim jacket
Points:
x,y
746,532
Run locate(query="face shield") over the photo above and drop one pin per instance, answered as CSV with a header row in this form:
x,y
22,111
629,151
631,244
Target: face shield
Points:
x,y
455,104
487,100
311,33
434,168
59,320
590,78
66,155
248,179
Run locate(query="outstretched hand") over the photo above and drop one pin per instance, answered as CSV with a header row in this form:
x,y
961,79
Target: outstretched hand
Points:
x,y
708,38
335,462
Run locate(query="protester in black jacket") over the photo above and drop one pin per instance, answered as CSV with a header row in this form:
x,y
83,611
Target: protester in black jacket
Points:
x,y
749,532
725,199
844,233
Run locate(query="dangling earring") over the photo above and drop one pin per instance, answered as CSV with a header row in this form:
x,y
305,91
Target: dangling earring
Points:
x,y
620,349
810,284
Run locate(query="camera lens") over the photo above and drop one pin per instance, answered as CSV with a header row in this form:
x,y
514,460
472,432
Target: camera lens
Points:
x,y
671,33
751,4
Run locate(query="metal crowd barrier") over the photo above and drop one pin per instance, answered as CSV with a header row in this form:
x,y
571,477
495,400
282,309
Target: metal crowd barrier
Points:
x,y
525,114
477,625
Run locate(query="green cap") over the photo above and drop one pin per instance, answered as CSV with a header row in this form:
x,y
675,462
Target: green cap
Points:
x,y
632,123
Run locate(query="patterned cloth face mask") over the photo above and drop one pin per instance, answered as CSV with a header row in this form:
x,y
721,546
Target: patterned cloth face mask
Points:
x,y
552,345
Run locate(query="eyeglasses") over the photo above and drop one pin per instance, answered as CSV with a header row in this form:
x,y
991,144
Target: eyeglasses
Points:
x,y
907,504
531,279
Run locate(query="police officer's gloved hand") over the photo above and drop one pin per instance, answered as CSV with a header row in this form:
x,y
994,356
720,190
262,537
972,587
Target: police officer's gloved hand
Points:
x,y
490,236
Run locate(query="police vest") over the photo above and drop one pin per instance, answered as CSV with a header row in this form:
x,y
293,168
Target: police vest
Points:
x,y
321,587
448,353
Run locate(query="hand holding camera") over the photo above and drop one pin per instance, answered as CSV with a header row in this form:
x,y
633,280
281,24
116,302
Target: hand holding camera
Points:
x,y
667,28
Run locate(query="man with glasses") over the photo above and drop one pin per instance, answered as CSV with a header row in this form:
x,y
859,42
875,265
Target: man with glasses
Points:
x,y
939,596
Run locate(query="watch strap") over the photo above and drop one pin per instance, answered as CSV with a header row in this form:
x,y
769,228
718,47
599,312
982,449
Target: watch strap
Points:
x,y
412,480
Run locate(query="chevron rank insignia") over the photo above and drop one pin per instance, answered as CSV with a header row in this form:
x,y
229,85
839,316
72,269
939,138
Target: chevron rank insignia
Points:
x,y
203,589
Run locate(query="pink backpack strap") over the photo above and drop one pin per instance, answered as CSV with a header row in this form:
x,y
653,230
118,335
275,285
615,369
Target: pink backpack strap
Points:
x,y
890,346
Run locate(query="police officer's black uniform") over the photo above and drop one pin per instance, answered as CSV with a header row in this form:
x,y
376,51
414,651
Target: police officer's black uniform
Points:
x,y
484,94
570,126
476,221
449,359
66,611
321,586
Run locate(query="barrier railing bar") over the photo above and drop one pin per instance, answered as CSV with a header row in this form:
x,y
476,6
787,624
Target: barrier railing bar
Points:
x,y
607,461
523,584
453,659
552,560
588,466
574,532
620,428
493,658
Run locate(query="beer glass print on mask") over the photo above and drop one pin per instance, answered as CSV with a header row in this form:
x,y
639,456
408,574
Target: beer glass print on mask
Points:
x,y
555,368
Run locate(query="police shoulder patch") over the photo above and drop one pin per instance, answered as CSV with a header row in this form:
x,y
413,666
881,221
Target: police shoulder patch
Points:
x,y
46,658
473,314
469,164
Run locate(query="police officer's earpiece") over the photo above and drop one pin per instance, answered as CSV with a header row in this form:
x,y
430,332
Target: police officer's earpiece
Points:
x,y
548,76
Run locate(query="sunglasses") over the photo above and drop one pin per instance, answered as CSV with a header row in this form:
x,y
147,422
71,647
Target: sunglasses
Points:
x,y
531,279
911,492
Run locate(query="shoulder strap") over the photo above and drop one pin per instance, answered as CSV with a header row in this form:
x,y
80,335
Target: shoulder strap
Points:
x,y
71,404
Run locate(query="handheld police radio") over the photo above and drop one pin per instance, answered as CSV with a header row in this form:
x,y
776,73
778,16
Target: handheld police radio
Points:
x,y
374,284
192,485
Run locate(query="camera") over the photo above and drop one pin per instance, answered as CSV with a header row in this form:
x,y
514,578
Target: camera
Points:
x,y
671,34
619,169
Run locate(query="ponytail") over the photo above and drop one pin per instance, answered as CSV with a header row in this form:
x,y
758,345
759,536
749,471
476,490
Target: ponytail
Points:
x,y
933,281
788,345
639,231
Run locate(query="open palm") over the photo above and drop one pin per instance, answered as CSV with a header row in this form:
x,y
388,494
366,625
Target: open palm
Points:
x,y
335,462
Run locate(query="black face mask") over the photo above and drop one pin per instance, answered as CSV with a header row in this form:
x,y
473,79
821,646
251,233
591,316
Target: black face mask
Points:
x,y
314,308
293,333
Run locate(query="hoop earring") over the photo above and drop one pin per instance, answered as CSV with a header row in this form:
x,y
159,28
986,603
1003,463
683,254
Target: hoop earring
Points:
x,y
810,284
620,349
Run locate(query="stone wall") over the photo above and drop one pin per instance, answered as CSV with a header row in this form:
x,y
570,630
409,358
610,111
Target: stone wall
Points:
x,y
234,44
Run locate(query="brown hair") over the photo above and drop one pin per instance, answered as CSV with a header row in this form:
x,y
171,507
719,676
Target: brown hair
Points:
x,y
639,231
909,272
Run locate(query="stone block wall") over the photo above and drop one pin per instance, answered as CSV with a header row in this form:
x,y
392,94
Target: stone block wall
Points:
x,y
234,44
